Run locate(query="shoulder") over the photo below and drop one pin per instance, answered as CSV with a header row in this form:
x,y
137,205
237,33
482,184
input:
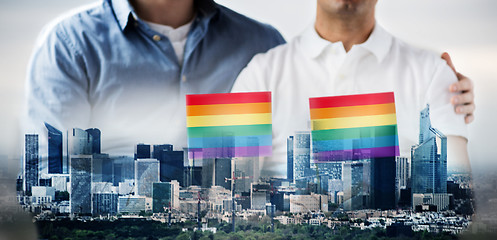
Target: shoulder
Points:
x,y
429,61
278,56
248,27
72,24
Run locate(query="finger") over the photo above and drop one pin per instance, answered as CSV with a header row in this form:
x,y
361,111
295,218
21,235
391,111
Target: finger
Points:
x,y
446,57
464,84
465,109
463,98
469,118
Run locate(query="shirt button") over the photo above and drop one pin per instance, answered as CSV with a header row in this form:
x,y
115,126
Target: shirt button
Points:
x,y
156,38
183,79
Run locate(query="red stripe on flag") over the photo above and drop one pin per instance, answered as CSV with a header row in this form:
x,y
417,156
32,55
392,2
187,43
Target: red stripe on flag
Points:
x,y
228,98
351,100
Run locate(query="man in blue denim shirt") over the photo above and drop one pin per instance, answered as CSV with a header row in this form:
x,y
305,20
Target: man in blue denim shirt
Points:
x,y
125,67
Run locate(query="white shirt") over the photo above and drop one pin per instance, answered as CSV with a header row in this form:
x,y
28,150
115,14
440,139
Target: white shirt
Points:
x,y
177,36
310,66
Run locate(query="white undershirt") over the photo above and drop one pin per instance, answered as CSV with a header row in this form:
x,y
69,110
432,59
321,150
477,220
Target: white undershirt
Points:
x,y
177,36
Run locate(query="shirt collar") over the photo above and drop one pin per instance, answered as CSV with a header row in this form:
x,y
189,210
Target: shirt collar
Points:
x,y
313,45
378,42
123,11
125,14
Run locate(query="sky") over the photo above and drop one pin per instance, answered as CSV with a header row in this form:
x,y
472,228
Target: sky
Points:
x,y
465,29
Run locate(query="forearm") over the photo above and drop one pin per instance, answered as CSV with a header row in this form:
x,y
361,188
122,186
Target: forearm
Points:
x,y
457,154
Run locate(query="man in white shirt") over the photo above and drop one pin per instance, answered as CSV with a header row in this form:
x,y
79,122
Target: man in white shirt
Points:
x,y
347,52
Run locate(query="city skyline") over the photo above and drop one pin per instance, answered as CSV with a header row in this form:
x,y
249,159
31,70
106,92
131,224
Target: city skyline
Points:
x,y
158,182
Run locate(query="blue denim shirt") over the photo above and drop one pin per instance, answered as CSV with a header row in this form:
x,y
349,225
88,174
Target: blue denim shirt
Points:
x,y
103,67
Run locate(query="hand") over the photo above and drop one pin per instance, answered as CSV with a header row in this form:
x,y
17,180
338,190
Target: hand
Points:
x,y
464,102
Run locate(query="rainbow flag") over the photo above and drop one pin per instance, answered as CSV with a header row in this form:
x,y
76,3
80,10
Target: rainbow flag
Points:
x,y
226,125
354,127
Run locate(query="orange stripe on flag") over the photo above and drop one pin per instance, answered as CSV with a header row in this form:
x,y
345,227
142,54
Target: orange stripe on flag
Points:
x,y
227,109
352,111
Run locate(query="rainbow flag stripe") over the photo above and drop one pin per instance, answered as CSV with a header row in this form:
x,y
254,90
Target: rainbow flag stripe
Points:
x,y
225,125
354,127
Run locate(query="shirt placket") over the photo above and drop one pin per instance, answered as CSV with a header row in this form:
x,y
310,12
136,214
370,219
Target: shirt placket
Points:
x,y
338,68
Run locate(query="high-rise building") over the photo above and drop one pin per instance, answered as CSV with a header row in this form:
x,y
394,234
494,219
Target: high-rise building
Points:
x,y
95,136
192,176
171,166
383,183
165,195
289,158
80,142
334,187
246,171
301,155
142,151
402,175
158,149
54,149
80,178
123,168
429,158
104,203
356,184
222,171
102,168
208,172
31,161
146,173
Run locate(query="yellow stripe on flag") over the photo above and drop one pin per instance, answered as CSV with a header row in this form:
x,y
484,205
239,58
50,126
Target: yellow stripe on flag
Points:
x,y
354,122
228,120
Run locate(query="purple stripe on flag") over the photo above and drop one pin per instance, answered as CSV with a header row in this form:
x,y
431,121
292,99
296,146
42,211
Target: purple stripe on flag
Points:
x,y
356,154
229,152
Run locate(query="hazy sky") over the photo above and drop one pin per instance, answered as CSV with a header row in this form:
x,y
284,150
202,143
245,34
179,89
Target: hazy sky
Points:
x,y
466,29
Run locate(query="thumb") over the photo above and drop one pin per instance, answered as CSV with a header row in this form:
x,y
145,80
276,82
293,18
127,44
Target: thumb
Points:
x,y
446,57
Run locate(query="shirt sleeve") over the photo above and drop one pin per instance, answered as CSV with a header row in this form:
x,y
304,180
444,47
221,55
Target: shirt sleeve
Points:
x,y
252,78
442,112
57,84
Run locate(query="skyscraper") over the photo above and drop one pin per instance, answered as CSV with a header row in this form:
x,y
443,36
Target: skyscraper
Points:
x,y
123,168
96,144
383,183
54,149
402,175
356,184
142,151
246,171
146,173
429,158
80,142
171,163
289,158
102,170
222,170
80,178
159,149
301,155
31,161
